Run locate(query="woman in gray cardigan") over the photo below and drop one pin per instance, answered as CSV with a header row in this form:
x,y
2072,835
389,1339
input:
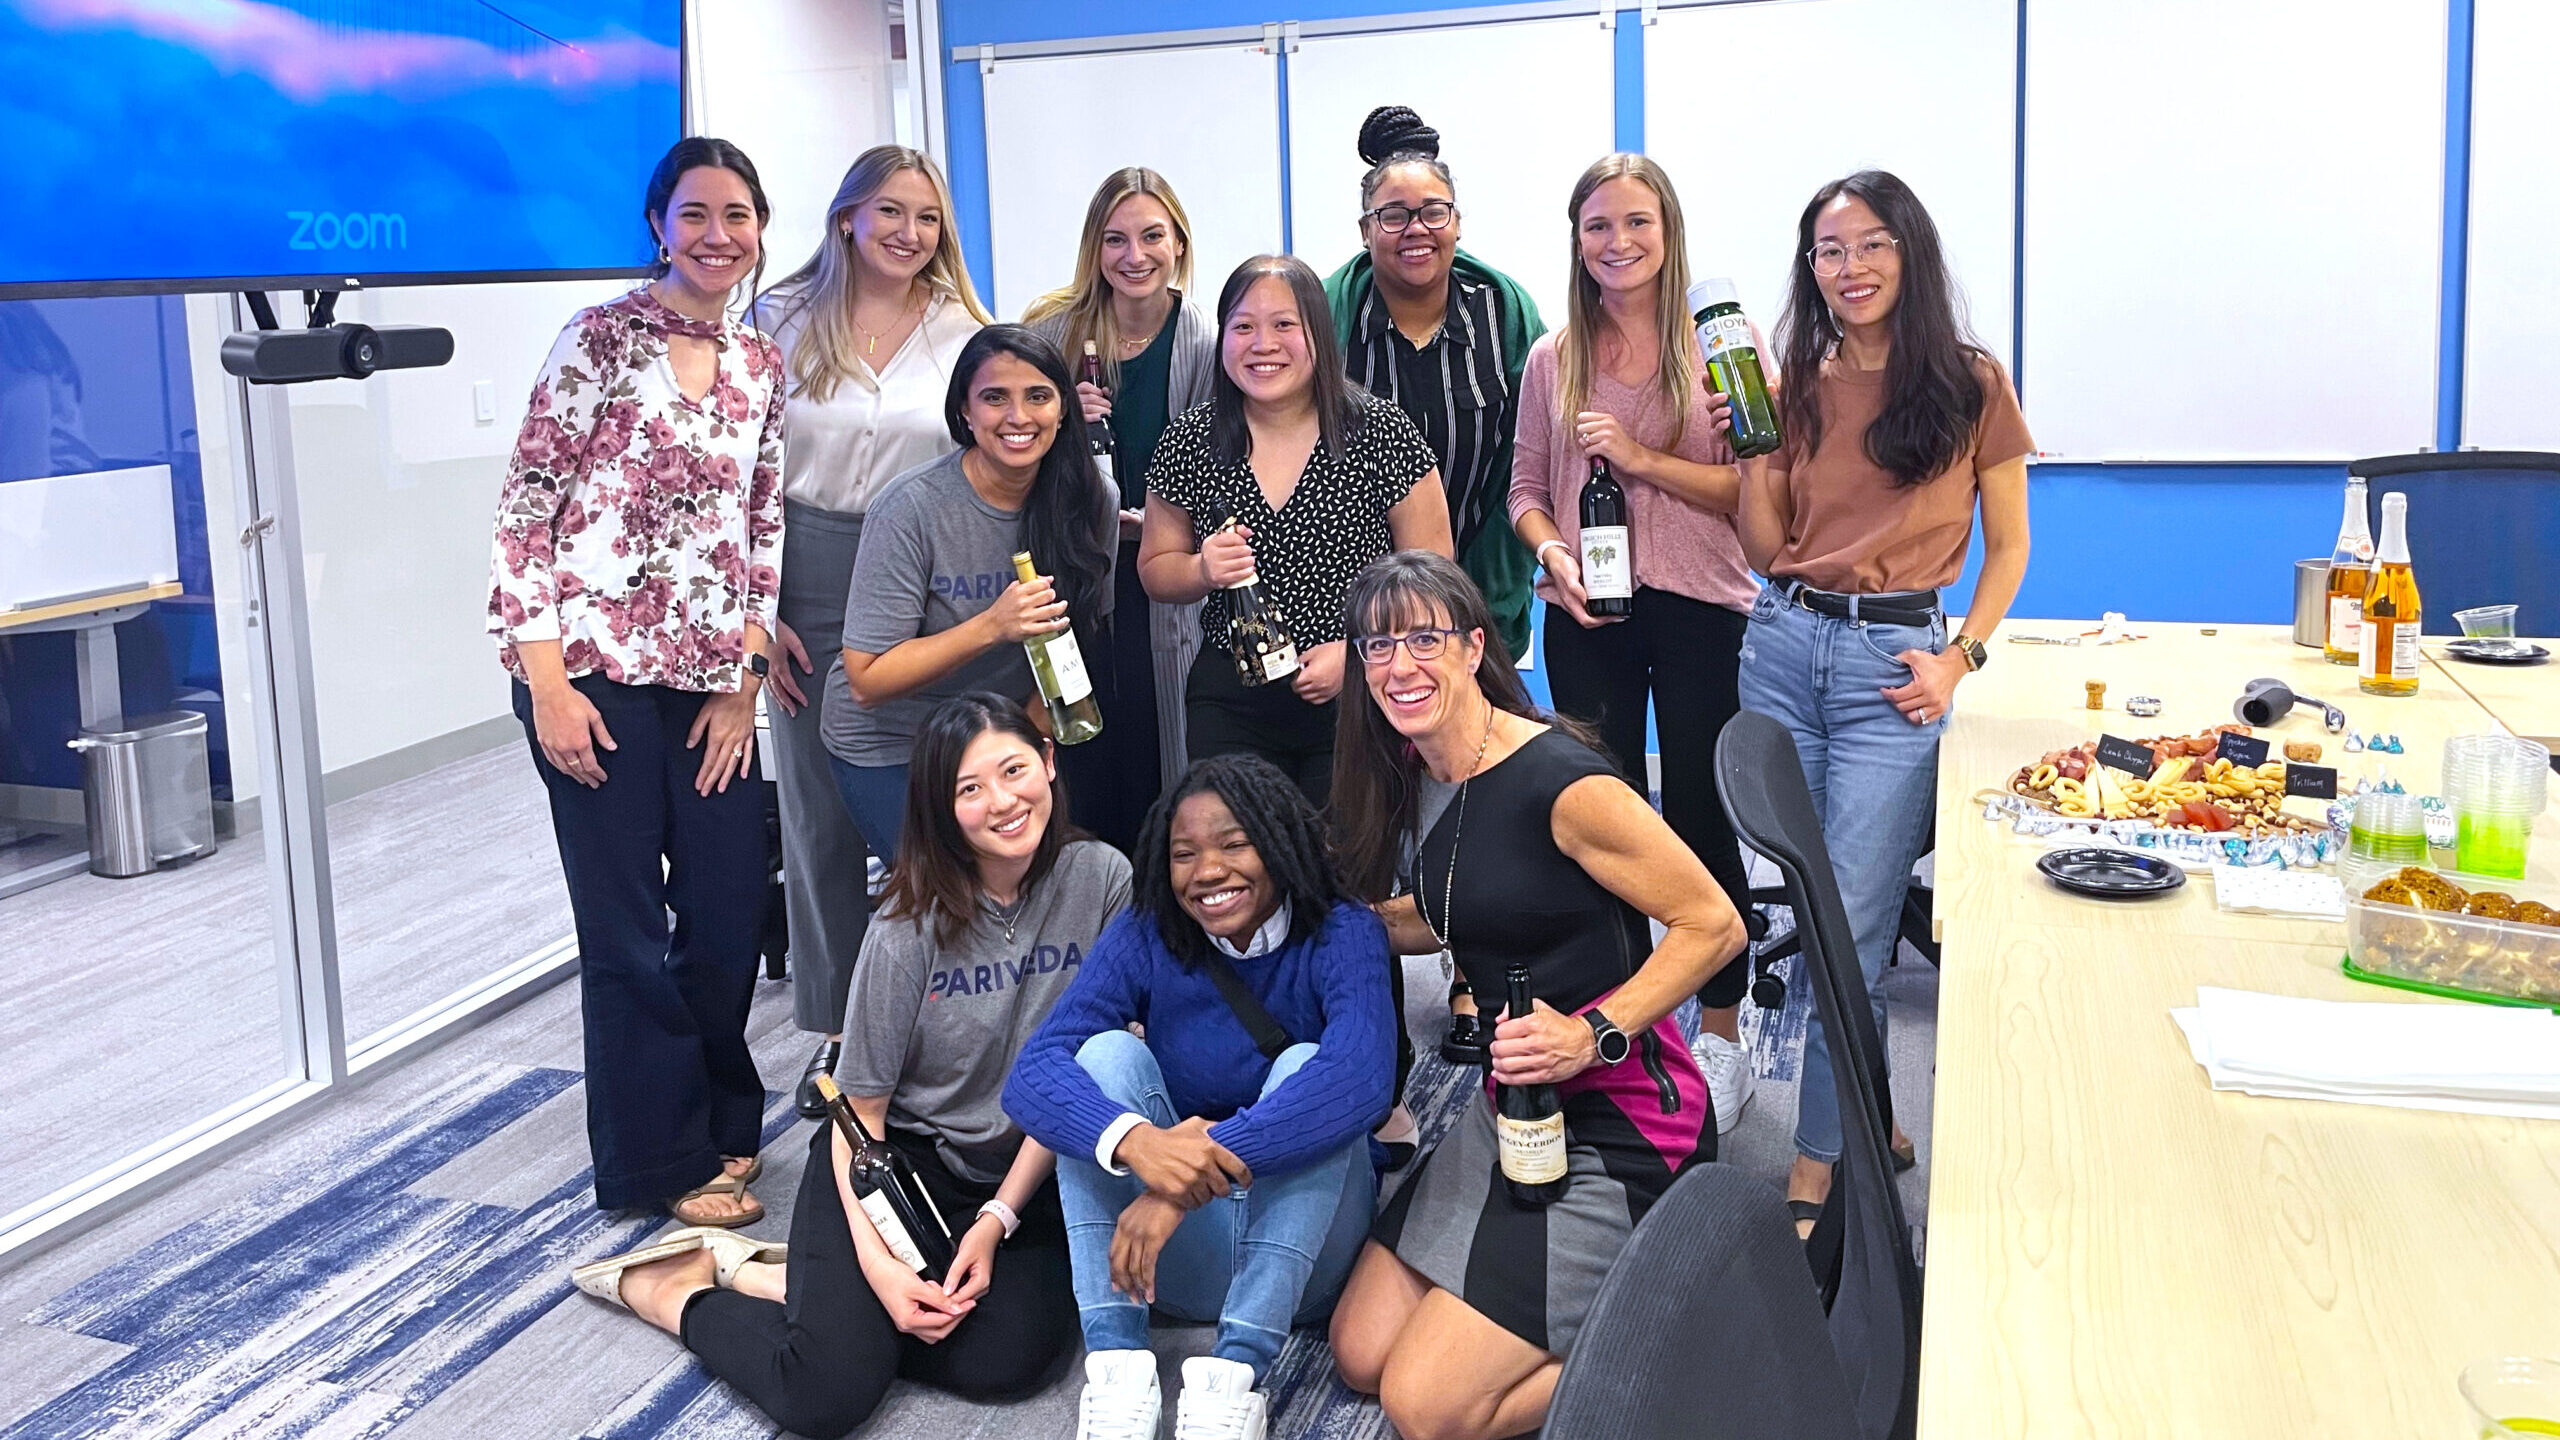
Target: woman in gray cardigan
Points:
x,y
1158,353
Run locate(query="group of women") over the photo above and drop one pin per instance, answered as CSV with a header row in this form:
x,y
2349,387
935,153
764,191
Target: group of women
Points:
x,y
1145,1049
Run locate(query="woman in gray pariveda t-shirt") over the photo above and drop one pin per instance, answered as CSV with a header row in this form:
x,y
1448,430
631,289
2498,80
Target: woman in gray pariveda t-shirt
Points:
x,y
989,913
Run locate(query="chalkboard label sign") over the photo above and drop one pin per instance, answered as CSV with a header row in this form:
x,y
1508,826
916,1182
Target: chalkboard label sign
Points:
x,y
2247,750
2313,782
2137,761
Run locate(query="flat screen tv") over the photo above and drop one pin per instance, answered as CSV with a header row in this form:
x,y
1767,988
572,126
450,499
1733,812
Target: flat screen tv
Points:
x,y
189,145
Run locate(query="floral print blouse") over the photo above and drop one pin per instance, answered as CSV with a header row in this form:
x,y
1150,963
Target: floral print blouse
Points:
x,y
640,529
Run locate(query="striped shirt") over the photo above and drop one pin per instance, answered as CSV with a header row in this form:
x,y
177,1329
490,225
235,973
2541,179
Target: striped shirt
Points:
x,y
1454,388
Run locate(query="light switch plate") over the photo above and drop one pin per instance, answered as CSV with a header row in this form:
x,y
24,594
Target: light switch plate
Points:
x,y
484,401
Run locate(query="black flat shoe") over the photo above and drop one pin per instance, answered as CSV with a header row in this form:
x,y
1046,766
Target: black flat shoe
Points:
x,y
1464,1044
822,1063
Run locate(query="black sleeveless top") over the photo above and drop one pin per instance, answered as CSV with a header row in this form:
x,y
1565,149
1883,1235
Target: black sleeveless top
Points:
x,y
1515,897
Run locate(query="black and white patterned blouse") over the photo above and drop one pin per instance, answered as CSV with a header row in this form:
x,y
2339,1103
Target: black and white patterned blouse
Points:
x,y
1455,387
1335,521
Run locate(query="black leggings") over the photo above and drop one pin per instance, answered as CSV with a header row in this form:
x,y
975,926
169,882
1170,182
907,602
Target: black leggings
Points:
x,y
1687,656
820,1363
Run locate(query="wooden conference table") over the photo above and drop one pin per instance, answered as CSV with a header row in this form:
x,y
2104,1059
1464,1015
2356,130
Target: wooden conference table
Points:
x,y
2115,1249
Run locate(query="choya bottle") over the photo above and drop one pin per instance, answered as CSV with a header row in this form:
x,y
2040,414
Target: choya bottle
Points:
x,y
1106,459
1257,633
1529,1121
2350,569
891,1193
1608,547
2389,644
1058,664
1733,366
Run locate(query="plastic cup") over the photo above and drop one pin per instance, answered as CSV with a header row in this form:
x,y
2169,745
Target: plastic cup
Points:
x,y
2389,831
2495,785
2487,622
2512,1397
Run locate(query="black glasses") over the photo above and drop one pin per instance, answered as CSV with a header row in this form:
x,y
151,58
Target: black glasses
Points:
x,y
1421,645
1394,218
1829,258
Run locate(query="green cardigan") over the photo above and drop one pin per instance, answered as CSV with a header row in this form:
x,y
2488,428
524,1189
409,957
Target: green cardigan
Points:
x,y
1503,567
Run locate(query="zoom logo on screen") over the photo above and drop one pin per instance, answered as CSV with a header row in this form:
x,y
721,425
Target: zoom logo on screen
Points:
x,y
353,230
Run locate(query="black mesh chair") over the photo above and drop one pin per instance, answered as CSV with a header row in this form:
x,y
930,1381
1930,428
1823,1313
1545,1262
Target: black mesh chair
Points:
x,y
1861,1246
1707,1328
1769,991
2506,498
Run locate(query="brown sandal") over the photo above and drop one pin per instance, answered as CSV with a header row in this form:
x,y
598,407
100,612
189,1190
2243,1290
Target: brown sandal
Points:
x,y
751,1211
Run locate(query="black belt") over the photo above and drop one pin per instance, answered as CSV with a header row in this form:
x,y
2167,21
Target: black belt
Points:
x,y
1908,607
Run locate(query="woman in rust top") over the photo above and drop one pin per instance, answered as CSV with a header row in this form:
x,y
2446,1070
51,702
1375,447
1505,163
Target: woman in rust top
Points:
x,y
1898,428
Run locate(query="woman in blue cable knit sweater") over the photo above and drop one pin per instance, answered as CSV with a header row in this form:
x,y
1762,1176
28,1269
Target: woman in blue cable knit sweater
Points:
x,y
1199,1174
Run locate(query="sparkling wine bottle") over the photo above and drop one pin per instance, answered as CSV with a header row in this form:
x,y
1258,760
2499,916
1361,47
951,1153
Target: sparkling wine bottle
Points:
x,y
891,1193
2350,571
1257,633
1733,365
1106,455
1057,662
1529,1122
2388,645
1608,547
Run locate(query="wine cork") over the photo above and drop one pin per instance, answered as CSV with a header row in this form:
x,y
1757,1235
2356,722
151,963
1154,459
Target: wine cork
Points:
x,y
2097,694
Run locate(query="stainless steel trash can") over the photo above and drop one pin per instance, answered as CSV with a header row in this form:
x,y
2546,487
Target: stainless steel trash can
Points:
x,y
147,790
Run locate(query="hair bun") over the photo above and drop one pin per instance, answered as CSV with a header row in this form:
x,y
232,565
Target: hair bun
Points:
x,y
1393,130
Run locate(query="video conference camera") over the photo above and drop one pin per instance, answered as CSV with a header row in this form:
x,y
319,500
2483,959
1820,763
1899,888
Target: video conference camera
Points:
x,y
333,352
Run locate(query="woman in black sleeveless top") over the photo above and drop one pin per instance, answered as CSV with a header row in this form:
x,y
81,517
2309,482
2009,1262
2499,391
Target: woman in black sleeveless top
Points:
x,y
1544,857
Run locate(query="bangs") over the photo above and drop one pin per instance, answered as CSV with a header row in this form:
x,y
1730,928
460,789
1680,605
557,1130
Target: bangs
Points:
x,y
1394,604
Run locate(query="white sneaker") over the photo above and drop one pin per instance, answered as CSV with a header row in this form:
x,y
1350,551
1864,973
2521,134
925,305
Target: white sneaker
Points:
x,y
1729,1079
1121,1401
1219,1402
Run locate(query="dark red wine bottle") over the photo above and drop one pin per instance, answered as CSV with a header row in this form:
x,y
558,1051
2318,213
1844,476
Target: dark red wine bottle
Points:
x,y
1529,1122
1608,544
890,1191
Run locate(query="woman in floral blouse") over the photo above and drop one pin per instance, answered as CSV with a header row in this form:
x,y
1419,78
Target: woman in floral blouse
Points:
x,y
638,537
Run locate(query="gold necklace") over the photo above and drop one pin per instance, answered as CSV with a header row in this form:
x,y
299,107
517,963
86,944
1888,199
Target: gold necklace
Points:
x,y
1457,834
872,347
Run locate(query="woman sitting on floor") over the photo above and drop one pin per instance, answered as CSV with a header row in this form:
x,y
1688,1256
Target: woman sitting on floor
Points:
x,y
1219,1168
992,907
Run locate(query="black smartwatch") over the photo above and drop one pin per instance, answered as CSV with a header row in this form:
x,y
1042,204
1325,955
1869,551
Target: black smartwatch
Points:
x,y
758,665
1612,1041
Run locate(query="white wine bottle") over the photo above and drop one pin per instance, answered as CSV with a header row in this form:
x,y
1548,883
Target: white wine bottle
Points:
x,y
1058,664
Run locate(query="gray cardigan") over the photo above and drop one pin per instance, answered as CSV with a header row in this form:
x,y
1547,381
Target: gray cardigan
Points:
x,y
1173,630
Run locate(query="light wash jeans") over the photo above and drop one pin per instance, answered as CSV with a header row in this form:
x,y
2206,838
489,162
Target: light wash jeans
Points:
x,y
1257,1260
1874,777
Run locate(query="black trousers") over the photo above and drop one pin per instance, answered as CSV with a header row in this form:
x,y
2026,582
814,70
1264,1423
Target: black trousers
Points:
x,y
671,1087
820,1362
1228,717
1686,657
1112,778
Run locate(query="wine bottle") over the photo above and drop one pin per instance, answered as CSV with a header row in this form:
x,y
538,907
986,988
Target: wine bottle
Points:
x,y
891,1193
1257,633
1057,662
1608,547
2350,570
2388,645
1529,1122
1106,455
1733,366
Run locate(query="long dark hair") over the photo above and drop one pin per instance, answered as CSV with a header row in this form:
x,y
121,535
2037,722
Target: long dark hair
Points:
x,y
1376,772
935,876
1064,523
696,152
1933,393
1338,415
1275,815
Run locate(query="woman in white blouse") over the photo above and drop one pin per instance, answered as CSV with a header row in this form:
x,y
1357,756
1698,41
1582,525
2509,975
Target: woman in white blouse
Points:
x,y
870,327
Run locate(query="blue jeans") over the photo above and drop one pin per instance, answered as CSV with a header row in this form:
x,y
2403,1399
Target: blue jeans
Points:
x,y
1257,1261
1874,777
877,796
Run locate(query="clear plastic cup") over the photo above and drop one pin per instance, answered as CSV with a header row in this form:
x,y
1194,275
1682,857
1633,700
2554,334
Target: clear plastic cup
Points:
x,y
2487,622
2389,831
2495,785
2512,1397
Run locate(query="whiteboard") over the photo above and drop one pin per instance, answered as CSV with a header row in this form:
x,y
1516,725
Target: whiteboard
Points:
x,y
2511,369
69,537
1208,120
1513,158
1927,91
2233,227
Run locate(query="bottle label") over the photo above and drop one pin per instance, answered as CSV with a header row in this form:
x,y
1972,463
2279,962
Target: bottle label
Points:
x,y
1608,563
884,1218
2404,648
1281,663
2346,623
1103,463
1721,335
1532,1150
1066,669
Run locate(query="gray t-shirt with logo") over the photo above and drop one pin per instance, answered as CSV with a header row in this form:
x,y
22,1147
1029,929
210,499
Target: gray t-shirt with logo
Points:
x,y
936,1027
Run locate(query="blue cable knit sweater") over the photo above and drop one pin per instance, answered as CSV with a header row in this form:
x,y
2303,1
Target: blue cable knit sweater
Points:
x,y
1329,988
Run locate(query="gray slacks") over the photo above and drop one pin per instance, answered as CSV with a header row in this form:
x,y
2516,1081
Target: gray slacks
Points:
x,y
822,852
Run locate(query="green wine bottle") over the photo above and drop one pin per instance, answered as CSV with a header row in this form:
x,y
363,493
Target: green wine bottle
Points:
x,y
1058,664
1733,366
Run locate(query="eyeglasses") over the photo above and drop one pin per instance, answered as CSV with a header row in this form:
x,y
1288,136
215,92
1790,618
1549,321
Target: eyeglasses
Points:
x,y
1395,218
1829,259
1421,645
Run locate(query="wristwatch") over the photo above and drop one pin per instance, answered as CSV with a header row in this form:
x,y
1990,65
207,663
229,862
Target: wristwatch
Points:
x,y
1975,654
758,665
1612,1041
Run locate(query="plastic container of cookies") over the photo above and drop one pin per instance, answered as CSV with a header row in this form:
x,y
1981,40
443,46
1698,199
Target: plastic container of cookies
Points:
x,y
2485,945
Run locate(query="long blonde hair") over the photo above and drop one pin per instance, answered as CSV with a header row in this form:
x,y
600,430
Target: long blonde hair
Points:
x,y
1577,349
1086,302
824,353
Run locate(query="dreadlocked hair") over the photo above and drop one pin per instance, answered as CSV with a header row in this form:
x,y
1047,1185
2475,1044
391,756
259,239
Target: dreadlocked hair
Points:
x,y
1285,831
